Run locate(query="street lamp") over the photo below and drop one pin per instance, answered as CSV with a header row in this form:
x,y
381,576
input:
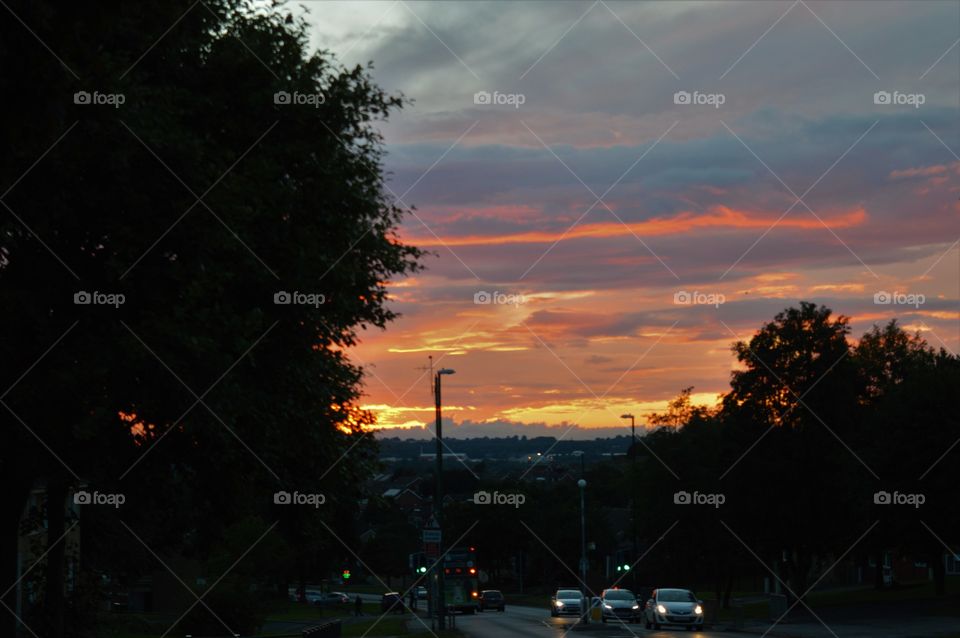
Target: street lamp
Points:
x,y
633,428
438,497
633,485
582,484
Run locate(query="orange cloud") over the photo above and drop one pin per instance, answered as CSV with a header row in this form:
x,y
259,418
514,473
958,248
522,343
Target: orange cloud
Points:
x,y
925,171
716,217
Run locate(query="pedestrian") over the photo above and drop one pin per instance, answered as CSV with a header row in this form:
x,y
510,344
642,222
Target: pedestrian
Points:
x,y
358,606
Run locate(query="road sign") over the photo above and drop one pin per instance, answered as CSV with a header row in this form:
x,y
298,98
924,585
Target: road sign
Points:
x,y
431,536
431,550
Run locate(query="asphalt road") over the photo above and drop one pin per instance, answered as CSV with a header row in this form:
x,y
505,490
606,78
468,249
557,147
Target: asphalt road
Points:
x,y
532,622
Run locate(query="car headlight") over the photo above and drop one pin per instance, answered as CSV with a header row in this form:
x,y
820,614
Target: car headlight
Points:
x,y
661,609
607,606
558,603
636,607
698,610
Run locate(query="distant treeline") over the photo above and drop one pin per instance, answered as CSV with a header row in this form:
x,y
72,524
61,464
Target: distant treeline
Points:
x,y
504,447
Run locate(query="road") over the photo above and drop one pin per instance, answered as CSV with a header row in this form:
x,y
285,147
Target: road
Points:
x,y
532,622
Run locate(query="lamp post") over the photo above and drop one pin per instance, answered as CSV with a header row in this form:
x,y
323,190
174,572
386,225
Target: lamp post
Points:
x,y
633,429
582,484
438,498
633,499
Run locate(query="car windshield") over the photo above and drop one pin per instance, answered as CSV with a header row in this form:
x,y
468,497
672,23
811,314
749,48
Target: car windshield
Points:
x,y
568,593
492,594
619,594
676,596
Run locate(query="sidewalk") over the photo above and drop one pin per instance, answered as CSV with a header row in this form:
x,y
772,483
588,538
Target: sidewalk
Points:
x,y
909,627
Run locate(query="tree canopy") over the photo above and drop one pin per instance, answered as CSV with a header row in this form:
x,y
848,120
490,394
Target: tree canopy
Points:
x,y
186,254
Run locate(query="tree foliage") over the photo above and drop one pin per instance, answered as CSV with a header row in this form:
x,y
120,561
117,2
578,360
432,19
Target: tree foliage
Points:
x,y
198,199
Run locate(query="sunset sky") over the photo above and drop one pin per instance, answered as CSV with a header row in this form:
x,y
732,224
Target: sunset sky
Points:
x,y
588,199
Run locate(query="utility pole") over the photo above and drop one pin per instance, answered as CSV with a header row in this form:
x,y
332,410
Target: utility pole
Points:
x,y
438,498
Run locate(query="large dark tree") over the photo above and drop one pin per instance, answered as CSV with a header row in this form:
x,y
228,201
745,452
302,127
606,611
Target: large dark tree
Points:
x,y
199,198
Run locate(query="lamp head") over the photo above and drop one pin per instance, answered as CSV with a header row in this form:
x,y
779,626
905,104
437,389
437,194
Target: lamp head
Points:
x,y
446,371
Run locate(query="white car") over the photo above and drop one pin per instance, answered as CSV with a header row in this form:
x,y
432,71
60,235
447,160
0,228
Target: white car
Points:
x,y
674,607
568,601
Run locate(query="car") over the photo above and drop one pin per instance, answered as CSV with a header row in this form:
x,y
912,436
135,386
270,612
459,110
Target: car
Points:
x,y
491,599
312,596
334,598
568,601
422,593
673,607
620,605
392,602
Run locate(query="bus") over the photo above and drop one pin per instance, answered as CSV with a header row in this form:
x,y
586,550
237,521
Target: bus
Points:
x,y
461,580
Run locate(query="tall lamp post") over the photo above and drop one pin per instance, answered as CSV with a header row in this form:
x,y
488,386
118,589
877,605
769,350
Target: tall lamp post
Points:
x,y
633,429
633,487
582,484
438,498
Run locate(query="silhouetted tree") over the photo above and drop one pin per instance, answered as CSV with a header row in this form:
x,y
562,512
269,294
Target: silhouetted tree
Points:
x,y
200,198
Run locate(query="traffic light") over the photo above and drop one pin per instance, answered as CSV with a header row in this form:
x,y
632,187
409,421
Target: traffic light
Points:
x,y
422,569
346,574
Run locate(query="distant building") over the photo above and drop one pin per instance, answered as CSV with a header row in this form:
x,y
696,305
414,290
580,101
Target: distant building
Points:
x,y
427,456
